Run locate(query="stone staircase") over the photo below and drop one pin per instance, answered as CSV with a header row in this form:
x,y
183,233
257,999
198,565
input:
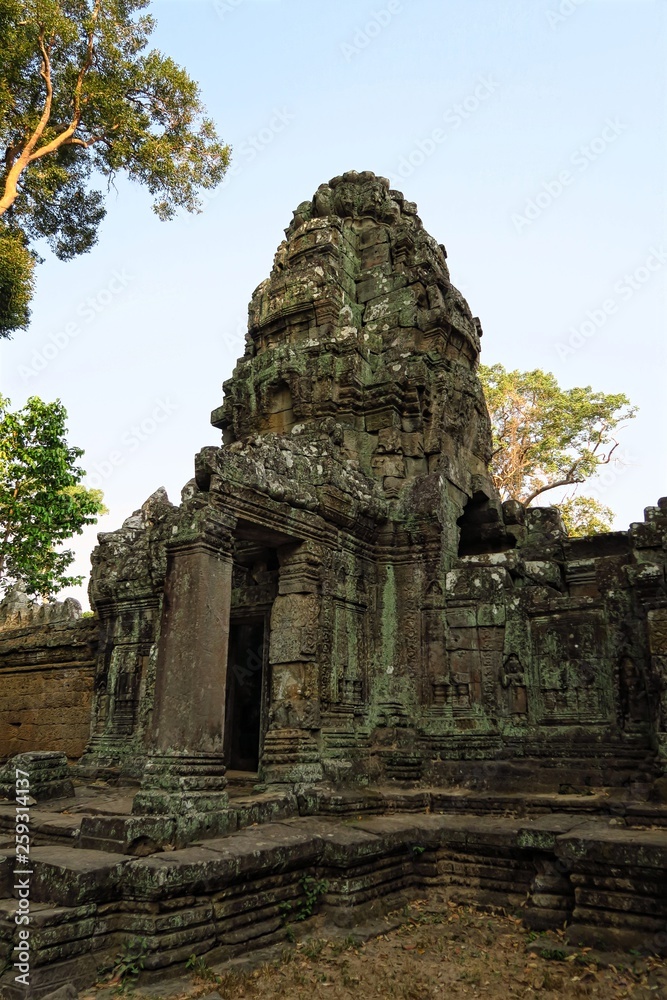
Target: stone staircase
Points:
x,y
595,863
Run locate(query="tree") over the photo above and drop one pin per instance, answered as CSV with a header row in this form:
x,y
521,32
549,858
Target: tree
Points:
x,y
16,282
545,438
80,97
42,500
585,515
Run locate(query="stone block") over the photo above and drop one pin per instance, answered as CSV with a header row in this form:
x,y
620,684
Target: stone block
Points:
x,y
461,617
614,846
491,614
66,992
69,877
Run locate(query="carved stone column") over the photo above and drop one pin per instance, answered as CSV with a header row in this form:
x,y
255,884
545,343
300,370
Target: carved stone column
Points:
x,y
185,770
291,746
126,591
127,629
649,581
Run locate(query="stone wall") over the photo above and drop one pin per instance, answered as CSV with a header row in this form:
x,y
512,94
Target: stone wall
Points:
x,y
47,656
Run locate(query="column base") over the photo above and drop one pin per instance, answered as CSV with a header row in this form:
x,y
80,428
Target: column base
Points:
x,y
106,754
181,784
47,772
291,756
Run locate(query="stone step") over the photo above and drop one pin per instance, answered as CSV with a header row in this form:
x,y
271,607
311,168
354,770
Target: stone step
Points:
x,y
235,892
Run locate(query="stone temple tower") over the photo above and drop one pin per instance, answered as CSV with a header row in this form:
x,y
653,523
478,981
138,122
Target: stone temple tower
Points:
x,y
341,595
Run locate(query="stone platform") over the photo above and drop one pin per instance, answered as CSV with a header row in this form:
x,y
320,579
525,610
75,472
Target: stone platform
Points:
x,y
597,862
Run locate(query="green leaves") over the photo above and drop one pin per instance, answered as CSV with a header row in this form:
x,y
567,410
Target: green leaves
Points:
x,y
80,96
585,516
16,282
42,501
546,437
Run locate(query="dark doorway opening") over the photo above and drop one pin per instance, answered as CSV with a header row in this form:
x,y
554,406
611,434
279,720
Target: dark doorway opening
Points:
x,y
245,695
482,527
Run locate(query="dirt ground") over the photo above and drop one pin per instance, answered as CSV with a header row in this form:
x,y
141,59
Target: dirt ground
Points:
x,y
440,950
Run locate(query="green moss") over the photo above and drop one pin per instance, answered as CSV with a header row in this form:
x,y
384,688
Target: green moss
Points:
x,y
389,621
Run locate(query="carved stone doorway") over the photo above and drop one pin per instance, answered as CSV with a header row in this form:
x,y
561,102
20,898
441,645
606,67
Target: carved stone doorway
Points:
x,y
246,694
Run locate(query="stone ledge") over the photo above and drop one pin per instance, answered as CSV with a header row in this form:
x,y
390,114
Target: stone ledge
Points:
x,y
233,894
69,876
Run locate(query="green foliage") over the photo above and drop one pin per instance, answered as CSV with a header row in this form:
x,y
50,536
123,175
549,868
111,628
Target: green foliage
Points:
x,y
42,501
347,944
585,516
200,969
127,964
545,437
553,954
81,97
314,948
312,890
16,282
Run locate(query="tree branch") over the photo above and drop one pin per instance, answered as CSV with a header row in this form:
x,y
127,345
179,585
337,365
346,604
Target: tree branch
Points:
x,y
19,165
569,481
29,154
66,137
607,460
45,73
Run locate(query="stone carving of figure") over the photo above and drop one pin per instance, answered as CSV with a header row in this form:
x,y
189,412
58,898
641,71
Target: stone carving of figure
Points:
x,y
513,680
632,693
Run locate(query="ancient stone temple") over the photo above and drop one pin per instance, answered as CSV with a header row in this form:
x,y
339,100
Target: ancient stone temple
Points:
x,y
340,594
342,613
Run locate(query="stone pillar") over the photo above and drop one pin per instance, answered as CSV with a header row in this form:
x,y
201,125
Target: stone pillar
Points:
x,y
127,636
291,746
185,770
648,578
657,635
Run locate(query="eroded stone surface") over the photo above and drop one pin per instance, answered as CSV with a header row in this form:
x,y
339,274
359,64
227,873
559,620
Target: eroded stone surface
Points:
x,y
37,775
47,658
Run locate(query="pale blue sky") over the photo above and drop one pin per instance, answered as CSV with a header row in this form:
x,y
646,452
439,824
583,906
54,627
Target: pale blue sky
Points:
x,y
519,93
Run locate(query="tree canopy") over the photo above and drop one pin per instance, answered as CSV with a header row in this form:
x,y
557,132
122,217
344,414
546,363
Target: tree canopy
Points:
x,y
42,500
81,99
545,438
16,282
